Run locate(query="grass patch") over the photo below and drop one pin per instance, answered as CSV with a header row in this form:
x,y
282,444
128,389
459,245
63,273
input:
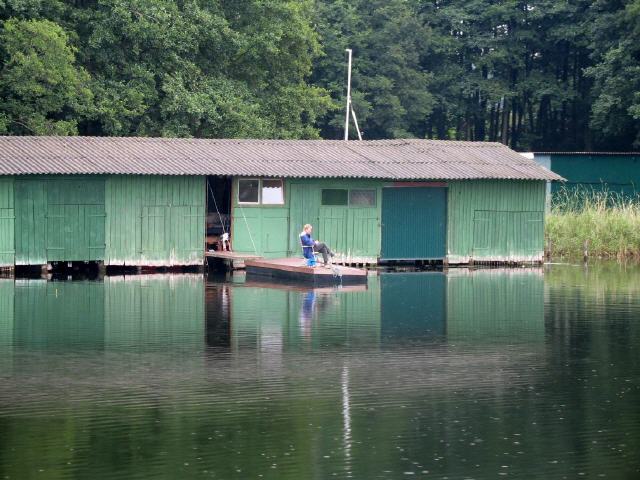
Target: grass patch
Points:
x,y
608,223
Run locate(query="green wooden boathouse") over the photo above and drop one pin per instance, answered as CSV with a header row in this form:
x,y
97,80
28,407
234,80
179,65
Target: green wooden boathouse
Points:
x,y
145,201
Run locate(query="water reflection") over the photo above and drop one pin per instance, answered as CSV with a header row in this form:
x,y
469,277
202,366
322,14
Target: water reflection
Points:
x,y
413,305
463,374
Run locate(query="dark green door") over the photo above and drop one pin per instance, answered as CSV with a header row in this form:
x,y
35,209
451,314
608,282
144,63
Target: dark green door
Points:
x,y
414,223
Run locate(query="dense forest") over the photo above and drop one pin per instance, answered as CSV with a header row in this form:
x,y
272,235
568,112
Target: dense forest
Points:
x,y
536,75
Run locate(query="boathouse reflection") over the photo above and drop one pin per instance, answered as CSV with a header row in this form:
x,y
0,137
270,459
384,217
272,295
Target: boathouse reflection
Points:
x,y
159,311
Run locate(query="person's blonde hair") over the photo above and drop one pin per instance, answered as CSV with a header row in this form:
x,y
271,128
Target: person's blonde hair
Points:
x,y
307,225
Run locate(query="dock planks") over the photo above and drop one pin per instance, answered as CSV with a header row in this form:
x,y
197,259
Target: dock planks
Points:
x,y
294,270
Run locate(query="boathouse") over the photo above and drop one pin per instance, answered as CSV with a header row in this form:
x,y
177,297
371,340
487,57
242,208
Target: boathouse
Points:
x,y
617,173
146,201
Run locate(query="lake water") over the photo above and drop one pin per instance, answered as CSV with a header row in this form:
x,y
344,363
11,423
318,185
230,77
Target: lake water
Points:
x,y
517,373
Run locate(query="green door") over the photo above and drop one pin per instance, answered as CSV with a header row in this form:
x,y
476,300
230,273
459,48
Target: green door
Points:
x,y
414,223
7,248
7,222
75,233
305,207
31,222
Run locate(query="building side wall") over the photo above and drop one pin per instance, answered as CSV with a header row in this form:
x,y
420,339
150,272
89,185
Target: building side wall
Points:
x,y
155,221
495,221
353,232
617,174
121,220
59,218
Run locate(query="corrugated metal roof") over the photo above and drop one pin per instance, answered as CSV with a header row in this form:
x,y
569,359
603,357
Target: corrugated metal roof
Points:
x,y
590,153
382,159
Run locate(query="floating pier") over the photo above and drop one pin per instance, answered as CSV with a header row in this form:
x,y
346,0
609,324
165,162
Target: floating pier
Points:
x,y
232,260
295,271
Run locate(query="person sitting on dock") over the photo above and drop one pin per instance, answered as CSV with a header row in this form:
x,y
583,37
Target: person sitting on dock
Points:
x,y
309,246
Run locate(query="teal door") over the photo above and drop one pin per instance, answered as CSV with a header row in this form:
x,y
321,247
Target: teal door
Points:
x,y
414,223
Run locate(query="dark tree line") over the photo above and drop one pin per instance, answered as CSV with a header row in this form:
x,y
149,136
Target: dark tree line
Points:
x,y
541,75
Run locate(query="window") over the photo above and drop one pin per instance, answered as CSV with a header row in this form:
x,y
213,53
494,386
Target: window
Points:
x,y
268,191
248,190
272,192
335,197
362,198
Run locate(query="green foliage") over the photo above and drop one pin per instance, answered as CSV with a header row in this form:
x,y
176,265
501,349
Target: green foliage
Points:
x,y
616,108
43,91
391,92
536,75
164,68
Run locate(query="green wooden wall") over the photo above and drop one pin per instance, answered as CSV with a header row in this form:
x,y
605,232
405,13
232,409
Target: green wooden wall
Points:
x,y
155,220
493,220
121,220
59,219
619,174
352,232
487,220
159,221
7,216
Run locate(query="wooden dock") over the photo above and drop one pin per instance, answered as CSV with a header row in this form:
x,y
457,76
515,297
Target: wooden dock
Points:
x,y
233,260
257,281
295,271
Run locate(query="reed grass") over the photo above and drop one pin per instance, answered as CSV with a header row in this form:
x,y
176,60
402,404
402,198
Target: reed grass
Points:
x,y
607,223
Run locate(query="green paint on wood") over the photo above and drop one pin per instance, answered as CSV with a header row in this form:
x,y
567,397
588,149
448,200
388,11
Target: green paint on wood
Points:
x,y
351,231
264,227
414,223
157,221
619,174
31,221
7,222
492,220
123,220
59,219
305,208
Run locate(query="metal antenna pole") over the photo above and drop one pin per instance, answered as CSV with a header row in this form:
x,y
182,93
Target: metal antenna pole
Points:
x,y
355,121
346,121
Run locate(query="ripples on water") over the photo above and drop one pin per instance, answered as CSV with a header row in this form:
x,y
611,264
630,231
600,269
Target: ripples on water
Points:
x,y
518,373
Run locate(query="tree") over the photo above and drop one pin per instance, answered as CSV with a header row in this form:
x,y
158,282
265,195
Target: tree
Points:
x,y
390,87
43,91
616,73
201,68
